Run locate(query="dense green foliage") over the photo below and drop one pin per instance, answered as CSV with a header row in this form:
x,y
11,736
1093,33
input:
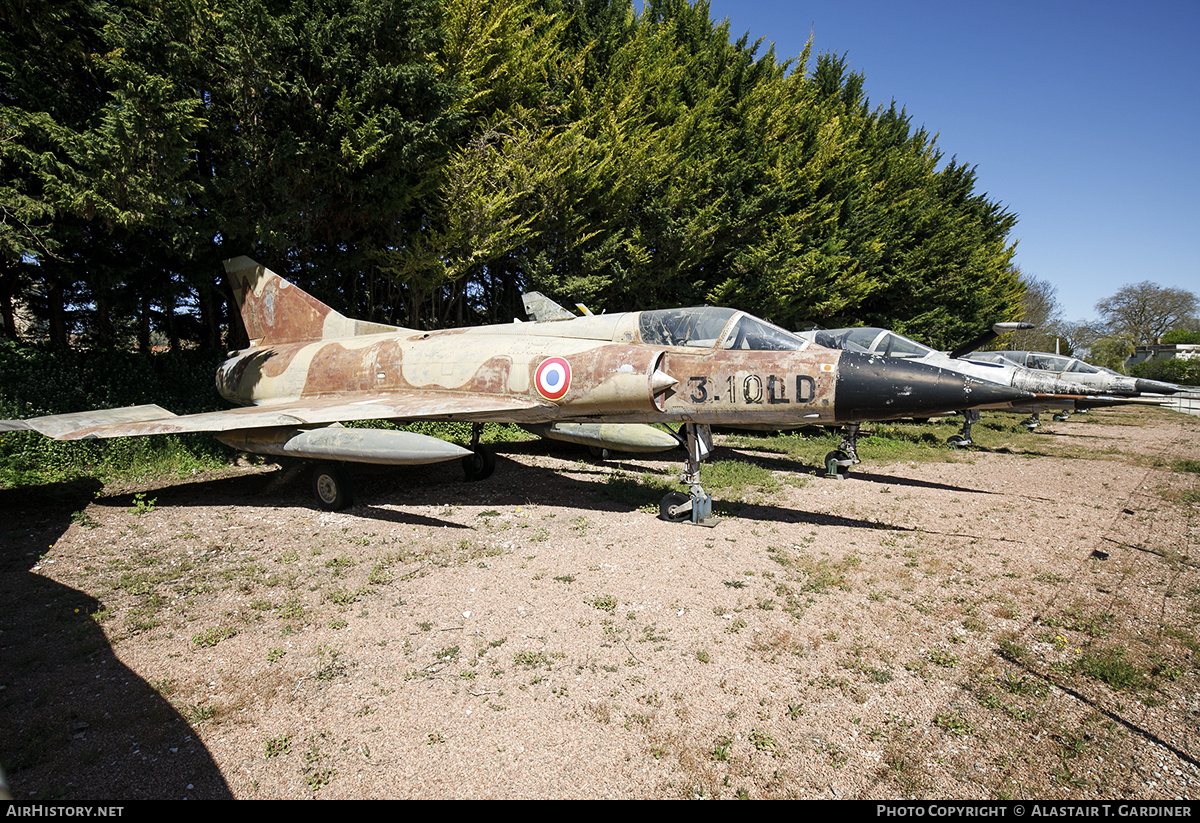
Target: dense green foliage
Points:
x,y
1172,370
1181,336
423,162
53,380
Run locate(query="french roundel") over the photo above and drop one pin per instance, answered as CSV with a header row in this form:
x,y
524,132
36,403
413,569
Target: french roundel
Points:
x,y
553,378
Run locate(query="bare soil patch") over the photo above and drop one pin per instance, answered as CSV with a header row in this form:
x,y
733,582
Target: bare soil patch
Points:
x,y
1021,622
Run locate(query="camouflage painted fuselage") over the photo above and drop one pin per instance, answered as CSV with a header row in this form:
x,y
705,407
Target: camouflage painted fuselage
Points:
x,y
704,365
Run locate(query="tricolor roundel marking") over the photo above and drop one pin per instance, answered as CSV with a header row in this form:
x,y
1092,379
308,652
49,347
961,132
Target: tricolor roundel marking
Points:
x,y
553,378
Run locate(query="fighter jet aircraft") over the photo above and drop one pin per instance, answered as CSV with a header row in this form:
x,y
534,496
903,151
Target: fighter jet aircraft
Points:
x,y
1113,387
867,339
309,368
1099,380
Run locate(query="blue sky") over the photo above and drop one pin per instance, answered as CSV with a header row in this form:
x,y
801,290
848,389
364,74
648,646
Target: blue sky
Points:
x,y
1083,118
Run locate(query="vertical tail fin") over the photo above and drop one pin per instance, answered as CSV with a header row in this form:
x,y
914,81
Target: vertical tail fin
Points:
x,y
275,311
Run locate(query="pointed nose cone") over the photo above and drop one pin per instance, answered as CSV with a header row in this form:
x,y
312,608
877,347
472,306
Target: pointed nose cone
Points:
x,y
870,387
1157,386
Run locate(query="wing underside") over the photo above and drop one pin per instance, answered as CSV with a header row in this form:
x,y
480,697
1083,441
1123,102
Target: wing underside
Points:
x,y
136,421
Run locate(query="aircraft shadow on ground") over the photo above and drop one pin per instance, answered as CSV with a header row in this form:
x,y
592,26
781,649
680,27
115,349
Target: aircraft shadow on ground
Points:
x,y
78,724
396,494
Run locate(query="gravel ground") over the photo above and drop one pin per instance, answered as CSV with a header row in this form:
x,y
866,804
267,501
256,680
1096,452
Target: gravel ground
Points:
x,y
1015,622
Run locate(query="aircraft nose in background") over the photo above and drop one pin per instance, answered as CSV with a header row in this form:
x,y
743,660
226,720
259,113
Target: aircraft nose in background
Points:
x,y
870,387
1156,386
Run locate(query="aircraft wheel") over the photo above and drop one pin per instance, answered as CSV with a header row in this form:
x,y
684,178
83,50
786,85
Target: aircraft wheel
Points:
x,y
957,441
599,452
669,502
331,485
1060,418
480,465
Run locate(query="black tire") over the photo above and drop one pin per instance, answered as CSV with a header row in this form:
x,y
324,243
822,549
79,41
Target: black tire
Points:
x,y
599,452
331,487
669,502
479,465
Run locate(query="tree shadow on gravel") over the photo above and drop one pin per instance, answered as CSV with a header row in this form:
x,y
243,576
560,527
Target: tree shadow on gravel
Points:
x,y
76,724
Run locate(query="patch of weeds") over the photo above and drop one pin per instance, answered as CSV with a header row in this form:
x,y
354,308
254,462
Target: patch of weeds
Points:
x,y
196,713
1022,685
213,636
142,506
838,756
880,675
291,610
531,660
276,746
1110,666
380,575
329,663
344,597
943,658
1093,625
276,654
317,774
84,520
763,741
702,656
604,602
1050,577
1013,651
955,724
566,578
338,623
340,565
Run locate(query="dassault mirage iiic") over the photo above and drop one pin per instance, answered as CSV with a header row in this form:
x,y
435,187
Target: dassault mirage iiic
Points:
x,y
1049,389
309,368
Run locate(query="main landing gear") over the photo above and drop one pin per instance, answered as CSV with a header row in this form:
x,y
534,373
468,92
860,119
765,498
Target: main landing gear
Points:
x,y
838,463
695,507
482,462
332,487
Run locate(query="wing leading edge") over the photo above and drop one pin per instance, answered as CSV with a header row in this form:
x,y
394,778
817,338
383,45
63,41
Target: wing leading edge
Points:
x,y
137,421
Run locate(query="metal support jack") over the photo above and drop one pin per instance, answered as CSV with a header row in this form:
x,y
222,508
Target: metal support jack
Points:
x,y
696,507
963,438
846,454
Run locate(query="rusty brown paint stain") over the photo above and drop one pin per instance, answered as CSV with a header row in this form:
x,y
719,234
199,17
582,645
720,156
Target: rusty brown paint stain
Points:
x,y
492,376
282,313
335,368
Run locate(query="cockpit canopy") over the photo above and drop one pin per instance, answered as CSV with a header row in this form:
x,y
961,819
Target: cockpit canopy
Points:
x,y
870,341
1038,360
707,327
